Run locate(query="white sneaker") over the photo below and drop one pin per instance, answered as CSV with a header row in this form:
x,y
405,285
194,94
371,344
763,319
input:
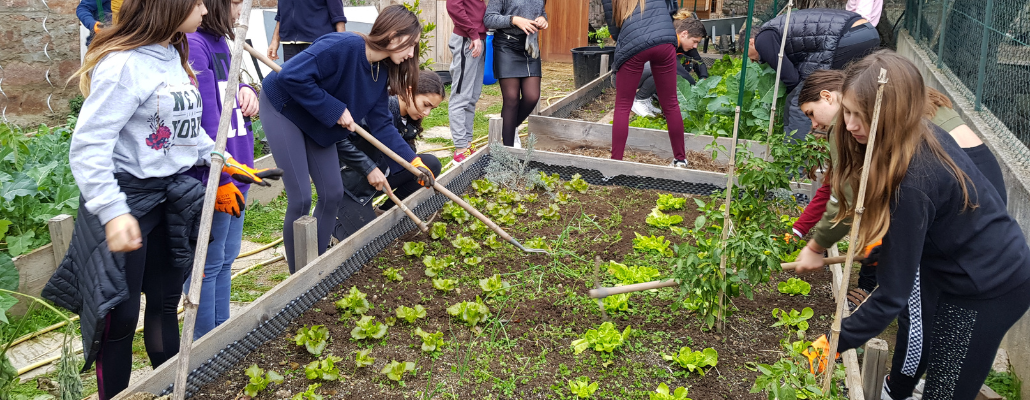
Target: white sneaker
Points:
x,y
653,108
518,143
885,393
679,164
642,108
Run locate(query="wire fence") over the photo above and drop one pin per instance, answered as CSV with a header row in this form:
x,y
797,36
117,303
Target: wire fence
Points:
x,y
984,43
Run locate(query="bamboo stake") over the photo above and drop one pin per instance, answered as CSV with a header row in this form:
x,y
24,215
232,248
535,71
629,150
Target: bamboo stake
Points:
x,y
200,258
779,64
732,170
855,246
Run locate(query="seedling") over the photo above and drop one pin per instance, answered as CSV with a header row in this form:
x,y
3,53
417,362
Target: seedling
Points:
x,y
393,274
445,285
411,314
474,260
796,319
537,243
662,220
519,209
478,228
414,249
794,286
562,198
395,370
628,275
434,265
309,394
669,202
509,196
617,302
694,360
582,387
470,312
484,187
430,341
454,212
362,358
551,182
577,184
530,198
465,245
354,302
367,328
549,213
494,285
651,244
663,393
324,369
492,242
314,338
603,339
438,230
259,380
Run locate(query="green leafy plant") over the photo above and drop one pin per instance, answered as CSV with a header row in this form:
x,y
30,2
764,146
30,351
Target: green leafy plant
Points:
x,y
465,245
425,39
354,302
582,387
599,36
617,302
791,376
414,249
669,202
663,393
362,358
549,213
603,339
694,361
470,312
445,285
435,265
395,370
530,198
508,196
519,209
367,328
537,243
651,244
562,198
550,182
577,184
259,380
393,274
494,285
314,338
430,341
794,286
662,220
630,274
309,394
484,187
411,314
324,369
474,260
438,230
453,212
793,319
477,228
492,241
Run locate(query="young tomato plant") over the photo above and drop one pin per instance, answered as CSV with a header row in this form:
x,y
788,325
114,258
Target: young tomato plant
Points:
x,y
367,328
670,202
395,370
582,387
438,230
794,286
354,302
411,314
314,338
603,339
470,312
362,358
445,285
494,285
663,393
414,249
259,380
694,361
430,341
324,369
393,274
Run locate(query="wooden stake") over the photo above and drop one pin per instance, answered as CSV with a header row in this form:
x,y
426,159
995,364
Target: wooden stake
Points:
x,y
779,64
726,215
853,237
200,258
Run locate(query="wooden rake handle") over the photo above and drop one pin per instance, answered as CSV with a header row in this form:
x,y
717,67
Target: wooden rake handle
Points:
x,y
411,214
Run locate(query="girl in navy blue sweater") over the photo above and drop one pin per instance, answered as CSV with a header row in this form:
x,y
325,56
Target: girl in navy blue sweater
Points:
x,y
314,103
950,253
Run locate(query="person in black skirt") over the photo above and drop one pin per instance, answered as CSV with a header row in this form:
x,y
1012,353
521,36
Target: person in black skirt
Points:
x,y
516,58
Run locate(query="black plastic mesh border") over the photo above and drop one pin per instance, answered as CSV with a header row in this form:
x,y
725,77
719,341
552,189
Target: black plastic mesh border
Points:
x,y
232,354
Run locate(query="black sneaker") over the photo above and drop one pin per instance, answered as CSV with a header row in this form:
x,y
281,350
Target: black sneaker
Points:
x,y
679,164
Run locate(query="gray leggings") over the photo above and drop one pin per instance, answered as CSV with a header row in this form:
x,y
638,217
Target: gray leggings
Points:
x,y
300,157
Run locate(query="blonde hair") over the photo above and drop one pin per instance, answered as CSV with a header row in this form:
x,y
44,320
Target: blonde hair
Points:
x,y
140,23
900,134
624,9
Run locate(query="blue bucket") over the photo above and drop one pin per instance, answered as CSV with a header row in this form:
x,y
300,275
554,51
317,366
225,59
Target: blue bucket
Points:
x,y
488,73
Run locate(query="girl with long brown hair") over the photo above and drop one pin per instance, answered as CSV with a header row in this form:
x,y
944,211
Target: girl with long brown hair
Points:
x,y
950,252
318,99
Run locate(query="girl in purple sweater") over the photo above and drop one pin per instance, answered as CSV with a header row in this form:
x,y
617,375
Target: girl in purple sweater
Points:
x,y
209,56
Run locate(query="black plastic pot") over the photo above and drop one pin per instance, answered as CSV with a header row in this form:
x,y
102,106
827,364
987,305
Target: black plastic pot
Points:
x,y
586,63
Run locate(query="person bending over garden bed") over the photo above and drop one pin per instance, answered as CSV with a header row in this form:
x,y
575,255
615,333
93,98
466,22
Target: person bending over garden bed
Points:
x,y
689,32
356,211
950,252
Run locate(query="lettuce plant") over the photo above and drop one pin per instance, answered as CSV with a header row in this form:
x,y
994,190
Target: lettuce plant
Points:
x,y
474,260
651,244
324,369
577,184
454,212
414,249
438,230
794,286
549,213
393,274
259,380
492,241
661,220
663,393
309,394
478,228
411,314
470,312
603,339
628,275
552,181
484,187
362,358
617,302
445,285
314,338
582,387
508,196
395,370
465,245
537,243
669,202
694,360
562,198
519,209
435,265
793,319
367,328
494,285
430,341
530,198
354,302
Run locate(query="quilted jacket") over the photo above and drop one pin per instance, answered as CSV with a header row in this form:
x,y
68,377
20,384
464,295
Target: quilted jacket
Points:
x,y
641,31
813,37
91,279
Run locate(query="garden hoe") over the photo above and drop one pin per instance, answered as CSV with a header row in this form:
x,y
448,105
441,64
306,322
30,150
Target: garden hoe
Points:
x,y
407,165
602,292
597,286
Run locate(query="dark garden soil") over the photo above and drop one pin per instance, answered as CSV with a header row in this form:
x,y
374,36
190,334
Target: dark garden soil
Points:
x,y
695,159
596,109
523,350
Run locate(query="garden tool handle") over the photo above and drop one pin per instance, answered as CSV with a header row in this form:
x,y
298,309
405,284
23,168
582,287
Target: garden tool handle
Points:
x,y
262,57
826,261
414,218
636,287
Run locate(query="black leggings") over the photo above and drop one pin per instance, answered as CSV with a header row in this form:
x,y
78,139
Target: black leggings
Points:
x,y
148,270
354,215
956,344
520,97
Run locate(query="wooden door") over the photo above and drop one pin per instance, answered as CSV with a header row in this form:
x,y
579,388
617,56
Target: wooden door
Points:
x,y
568,20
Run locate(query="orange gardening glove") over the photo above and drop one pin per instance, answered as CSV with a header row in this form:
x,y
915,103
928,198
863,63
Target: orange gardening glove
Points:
x,y
229,200
96,27
817,356
244,174
426,178
872,253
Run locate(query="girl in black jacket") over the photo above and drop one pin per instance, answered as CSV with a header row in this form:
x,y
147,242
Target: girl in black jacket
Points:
x,y
950,252
643,33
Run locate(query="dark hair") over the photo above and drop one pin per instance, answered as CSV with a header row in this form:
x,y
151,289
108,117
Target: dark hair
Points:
x,y
823,79
428,83
756,27
397,21
218,20
693,27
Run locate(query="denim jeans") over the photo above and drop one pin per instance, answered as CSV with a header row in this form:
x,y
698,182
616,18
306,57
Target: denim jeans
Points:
x,y
226,235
